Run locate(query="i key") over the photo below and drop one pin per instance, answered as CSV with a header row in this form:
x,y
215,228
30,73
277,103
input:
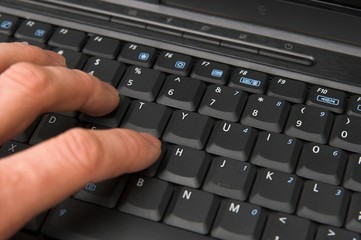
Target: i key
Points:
x,y
346,133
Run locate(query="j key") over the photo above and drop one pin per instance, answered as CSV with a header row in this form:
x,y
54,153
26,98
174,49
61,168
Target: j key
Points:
x,y
138,55
239,220
276,190
212,72
223,102
68,39
309,123
330,99
354,106
8,24
181,92
264,112
102,47
264,153
12,147
146,197
184,166
353,221
333,233
147,117
74,60
230,178
50,126
192,209
173,63
352,176
324,203
106,70
141,83
188,129
33,31
346,133
290,90
322,163
231,140
286,227
249,80
104,193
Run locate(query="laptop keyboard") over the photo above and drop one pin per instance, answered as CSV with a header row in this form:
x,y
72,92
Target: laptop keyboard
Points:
x,y
246,155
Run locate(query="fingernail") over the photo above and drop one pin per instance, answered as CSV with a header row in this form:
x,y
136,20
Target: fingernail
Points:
x,y
112,90
151,139
56,58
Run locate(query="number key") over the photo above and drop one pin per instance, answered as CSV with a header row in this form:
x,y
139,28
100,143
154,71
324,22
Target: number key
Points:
x,y
346,133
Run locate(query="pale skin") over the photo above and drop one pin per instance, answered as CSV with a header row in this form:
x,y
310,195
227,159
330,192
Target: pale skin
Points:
x,y
32,82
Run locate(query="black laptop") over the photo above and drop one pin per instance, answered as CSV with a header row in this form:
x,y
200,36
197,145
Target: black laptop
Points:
x,y
257,103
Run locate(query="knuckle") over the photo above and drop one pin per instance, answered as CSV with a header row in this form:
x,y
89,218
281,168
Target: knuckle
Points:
x,y
89,82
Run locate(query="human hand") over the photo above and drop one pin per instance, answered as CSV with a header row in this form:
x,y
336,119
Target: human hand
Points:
x,y
34,81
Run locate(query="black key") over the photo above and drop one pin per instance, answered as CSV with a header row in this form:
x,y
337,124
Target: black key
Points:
x,y
212,72
50,126
184,166
322,163
330,99
27,133
283,226
8,24
102,47
30,42
188,129
290,90
333,233
352,176
181,92
36,222
173,63
353,221
3,38
33,31
249,80
223,102
147,117
104,193
309,123
239,220
12,147
230,178
264,112
231,140
323,203
68,39
146,197
73,219
346,133
139,55
264,153
74,60
354,106
192,210
276,190
141,83
106,70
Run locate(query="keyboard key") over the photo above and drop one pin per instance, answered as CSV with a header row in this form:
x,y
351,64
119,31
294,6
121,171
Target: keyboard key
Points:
x,y
322,163
102,47
223,102
309,123
231,140
12,147
211,72
147,117
353,221
68,39
323,203
276,190
146,197
30,42
4,38
138,55
264,112
352,176
287,89
27,133
173,63
184,166
283,226
264,153
192,210
249,80
332,233
181,92
8,24
74,60
239,220
346,133
33,31
141,83
230,178
354,106
330,99
36,222
188,129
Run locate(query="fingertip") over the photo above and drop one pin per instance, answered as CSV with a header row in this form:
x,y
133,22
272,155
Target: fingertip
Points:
x,y
153,141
